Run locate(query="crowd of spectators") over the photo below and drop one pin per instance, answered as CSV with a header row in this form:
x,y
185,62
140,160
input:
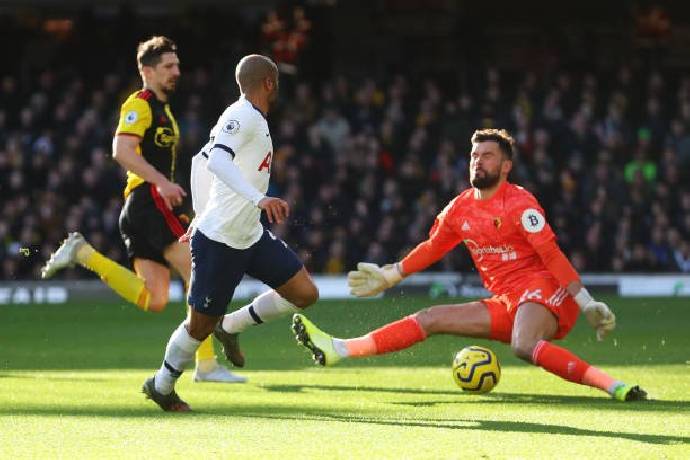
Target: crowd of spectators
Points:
x,y
367,163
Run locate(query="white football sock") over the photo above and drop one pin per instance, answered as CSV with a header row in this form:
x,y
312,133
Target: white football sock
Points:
x,y
340,347
265,307
179,352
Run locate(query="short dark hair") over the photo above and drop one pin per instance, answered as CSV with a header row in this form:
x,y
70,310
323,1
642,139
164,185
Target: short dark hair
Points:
x,y
500,136
150,52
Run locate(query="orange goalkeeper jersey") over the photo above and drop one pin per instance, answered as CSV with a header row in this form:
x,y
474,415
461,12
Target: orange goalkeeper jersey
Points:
x,y
507,236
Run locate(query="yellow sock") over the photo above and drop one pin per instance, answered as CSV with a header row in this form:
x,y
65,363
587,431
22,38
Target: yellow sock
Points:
x,y
206,356
121,280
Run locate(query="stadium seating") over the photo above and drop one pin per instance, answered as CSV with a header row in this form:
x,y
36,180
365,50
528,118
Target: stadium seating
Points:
x,y
367,162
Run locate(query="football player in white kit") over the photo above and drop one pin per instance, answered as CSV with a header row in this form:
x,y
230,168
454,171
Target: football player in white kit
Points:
x,y
229,240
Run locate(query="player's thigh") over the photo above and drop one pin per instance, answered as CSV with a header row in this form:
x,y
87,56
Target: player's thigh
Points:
x,y
217,269
533,322
179,257
156,276
299,290
145,230
470,319
274,263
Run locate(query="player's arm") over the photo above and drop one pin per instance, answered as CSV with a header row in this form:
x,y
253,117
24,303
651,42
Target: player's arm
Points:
x,y
539,234
200,180
135,119
370,279
227,144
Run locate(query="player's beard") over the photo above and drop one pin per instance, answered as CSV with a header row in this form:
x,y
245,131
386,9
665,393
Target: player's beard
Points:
x,y
273,98
485,181
170,86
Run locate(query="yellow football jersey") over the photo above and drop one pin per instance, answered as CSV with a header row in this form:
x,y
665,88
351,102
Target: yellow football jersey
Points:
x,y
144,116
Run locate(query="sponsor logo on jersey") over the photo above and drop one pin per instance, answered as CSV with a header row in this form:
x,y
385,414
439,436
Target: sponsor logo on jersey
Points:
x,y
507,251
532,220
165,137
465,227
266,163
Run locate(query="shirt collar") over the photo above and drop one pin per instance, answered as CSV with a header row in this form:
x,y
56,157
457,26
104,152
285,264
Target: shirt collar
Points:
x,y
242,97
496,196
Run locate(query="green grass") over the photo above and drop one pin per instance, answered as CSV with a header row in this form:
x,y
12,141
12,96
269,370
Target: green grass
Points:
x,y
70,378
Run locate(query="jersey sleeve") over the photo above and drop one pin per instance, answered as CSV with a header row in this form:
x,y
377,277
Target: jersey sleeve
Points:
x,y
531,222
135,117
557,263
442,238
234,132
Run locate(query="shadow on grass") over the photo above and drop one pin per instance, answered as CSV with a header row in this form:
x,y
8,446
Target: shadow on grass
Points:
x,y
516,427
54,378
287,388
585,402
324,414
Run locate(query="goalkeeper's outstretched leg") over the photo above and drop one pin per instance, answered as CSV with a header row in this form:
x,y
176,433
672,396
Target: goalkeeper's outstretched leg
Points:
x,y
535,286
529,338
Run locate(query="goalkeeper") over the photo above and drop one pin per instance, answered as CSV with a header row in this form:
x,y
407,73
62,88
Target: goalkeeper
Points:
x,y
537,295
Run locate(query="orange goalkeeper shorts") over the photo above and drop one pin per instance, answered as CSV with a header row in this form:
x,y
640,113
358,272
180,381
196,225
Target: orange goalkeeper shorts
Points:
x,y
544,291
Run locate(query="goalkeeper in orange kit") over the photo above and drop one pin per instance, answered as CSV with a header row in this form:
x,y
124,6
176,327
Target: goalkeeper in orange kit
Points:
x,y
537,294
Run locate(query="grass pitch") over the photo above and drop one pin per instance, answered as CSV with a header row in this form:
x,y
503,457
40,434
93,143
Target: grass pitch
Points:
x,y
70,379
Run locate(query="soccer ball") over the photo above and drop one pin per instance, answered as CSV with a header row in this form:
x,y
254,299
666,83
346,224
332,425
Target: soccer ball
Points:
x,y
476,369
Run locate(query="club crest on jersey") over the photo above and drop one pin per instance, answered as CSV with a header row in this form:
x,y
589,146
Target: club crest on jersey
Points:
x,y
164,137
231,127
532,220
497,222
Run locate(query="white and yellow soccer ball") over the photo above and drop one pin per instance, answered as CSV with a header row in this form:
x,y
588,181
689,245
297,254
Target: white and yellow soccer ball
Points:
x,y
476,369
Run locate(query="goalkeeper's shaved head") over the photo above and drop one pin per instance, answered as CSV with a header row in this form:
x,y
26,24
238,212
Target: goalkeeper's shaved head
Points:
x,y
252,72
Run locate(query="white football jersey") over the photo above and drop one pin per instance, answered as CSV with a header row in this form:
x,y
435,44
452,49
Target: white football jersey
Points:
x,y
200,183
229,218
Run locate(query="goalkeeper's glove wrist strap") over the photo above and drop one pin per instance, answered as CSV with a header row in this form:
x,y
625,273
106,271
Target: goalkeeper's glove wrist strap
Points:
x,y
583,298
398,268
392,274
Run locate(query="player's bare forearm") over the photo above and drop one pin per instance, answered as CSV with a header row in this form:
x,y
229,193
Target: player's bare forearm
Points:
x,y
125,153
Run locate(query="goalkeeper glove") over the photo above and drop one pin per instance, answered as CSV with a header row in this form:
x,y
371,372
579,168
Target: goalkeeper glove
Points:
x,y
370,279
598,314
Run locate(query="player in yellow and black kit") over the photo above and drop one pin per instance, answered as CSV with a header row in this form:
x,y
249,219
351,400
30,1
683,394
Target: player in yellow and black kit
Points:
x,y
148,222
145,144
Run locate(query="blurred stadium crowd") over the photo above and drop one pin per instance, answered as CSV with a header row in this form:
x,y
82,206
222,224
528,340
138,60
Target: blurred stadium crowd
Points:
x,y
366,162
